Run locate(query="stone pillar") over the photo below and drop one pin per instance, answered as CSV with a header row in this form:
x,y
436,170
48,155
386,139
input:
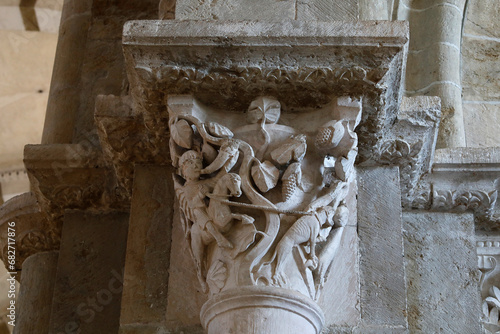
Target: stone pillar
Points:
x,y
64,90
266,198
29,244
435,34
146,278
89,281
35,297
383,286
88,62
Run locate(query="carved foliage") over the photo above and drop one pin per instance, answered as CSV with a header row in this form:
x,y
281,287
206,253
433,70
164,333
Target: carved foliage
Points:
x,y
477,201
229,200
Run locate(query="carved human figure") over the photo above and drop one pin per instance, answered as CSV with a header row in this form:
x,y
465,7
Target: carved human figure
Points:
x,y
192,202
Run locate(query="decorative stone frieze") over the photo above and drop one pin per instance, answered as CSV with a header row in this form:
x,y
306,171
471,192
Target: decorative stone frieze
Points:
x,y
25,230
462,179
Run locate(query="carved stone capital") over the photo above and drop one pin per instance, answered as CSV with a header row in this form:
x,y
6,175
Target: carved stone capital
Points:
x,y
25,230
72,176
126,141
265,124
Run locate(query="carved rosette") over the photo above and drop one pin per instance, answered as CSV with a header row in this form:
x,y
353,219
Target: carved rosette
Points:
x,y
263,204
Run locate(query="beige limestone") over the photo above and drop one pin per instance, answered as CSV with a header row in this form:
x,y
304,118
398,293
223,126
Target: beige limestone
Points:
x,y
434,60
382,277
480,73
441,273
481,124
146,278
26,60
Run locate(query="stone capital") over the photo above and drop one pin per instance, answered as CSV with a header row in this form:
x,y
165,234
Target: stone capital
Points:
x,y
25,230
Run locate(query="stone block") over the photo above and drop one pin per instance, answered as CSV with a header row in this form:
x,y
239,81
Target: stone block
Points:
x,y
237,10
441,273
327,10
481,124
482,18
88,285
339,298
383,290
144,299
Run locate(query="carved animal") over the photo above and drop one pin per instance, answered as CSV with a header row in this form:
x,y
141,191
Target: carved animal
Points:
x,y
305,229
220,213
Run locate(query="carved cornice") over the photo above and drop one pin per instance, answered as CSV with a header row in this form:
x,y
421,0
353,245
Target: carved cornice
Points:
x,y
303,64
30,231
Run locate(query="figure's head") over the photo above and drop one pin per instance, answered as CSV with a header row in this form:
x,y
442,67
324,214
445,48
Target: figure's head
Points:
x,y
330,213
341,217
191,164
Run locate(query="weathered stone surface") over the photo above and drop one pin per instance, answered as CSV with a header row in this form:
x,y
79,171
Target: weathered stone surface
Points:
x,y
340,297
33,232
327,10
35,296
481,124
434,60
442,274
480,71
144,298
302,64
88,285
383,289
239,10
183,312
480,19
463,179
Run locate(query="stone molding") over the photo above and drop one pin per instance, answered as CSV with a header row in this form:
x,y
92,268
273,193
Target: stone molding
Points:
x,y
462,179
34,232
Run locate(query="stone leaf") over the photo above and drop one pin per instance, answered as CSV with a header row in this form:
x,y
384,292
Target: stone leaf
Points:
x,y
182,134
265,175
293,149
216,276
217,130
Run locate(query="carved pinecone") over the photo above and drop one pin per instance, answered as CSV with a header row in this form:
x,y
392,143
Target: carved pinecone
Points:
x,y
291,180
289,188
324,136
